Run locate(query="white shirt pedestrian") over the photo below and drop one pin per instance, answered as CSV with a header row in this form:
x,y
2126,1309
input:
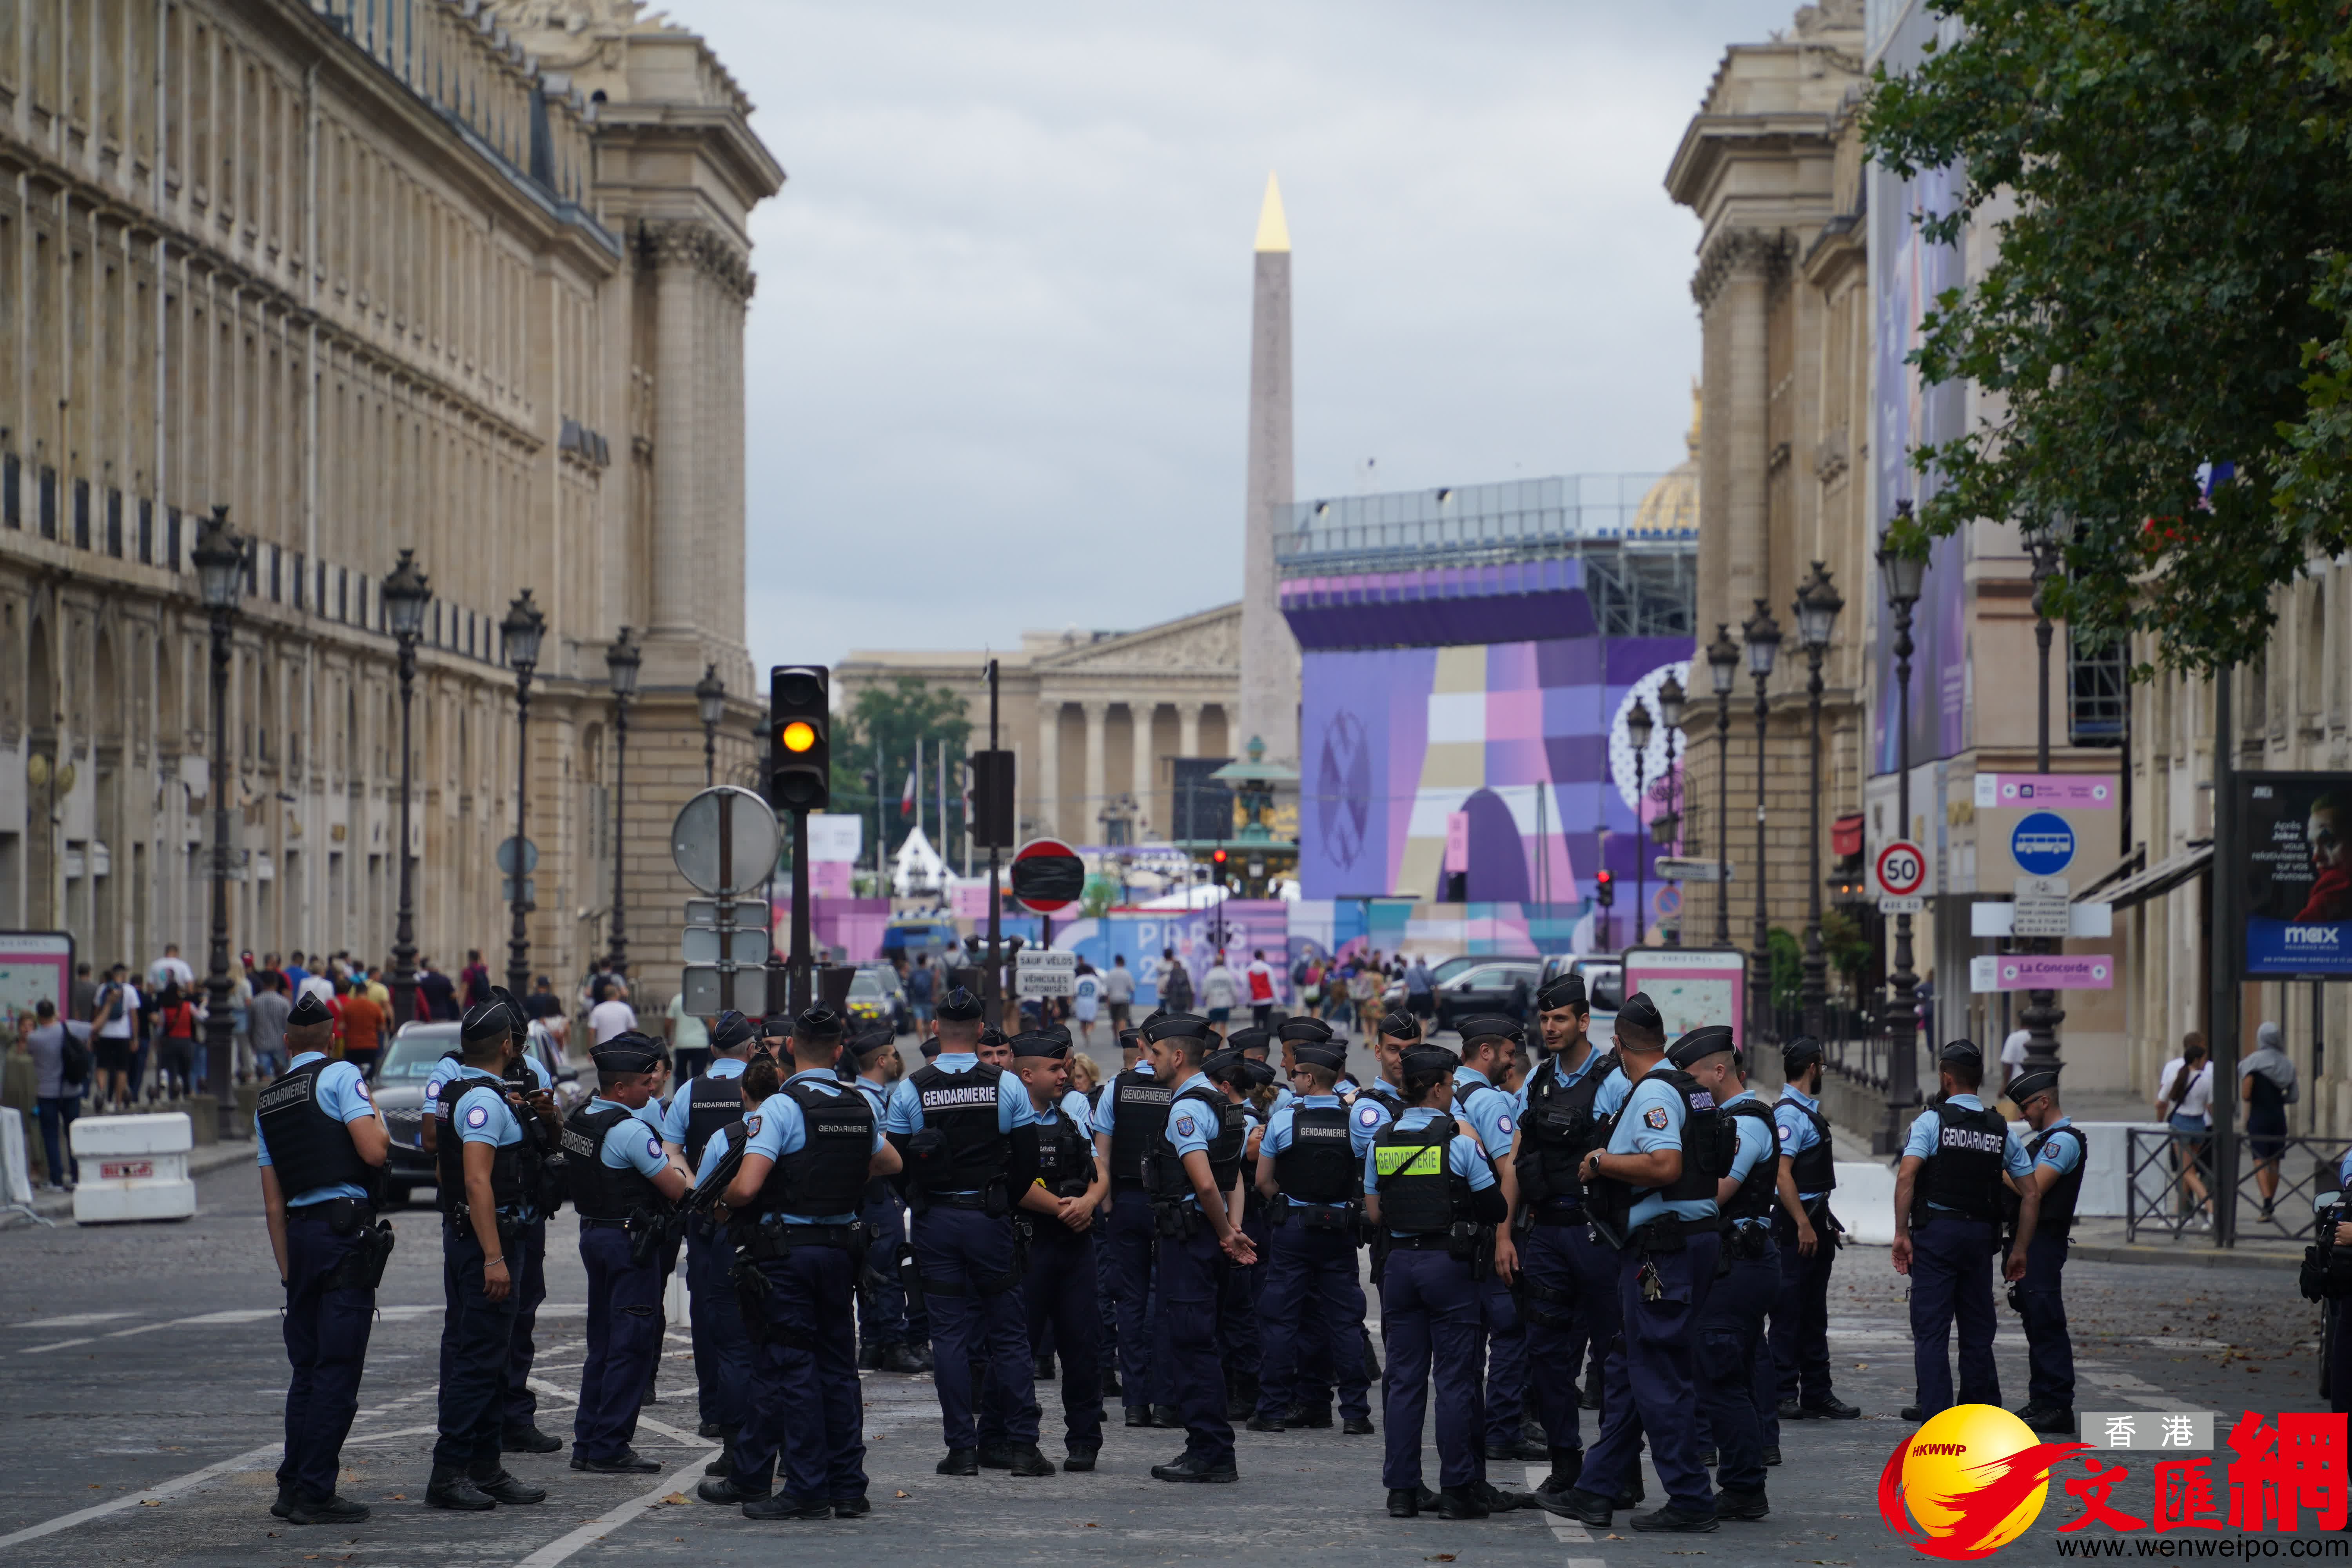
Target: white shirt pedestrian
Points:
x,y
610,1017
2196,1099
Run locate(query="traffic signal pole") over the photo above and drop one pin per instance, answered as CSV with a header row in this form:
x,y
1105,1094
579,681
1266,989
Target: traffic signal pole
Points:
x,y
993,983
799,993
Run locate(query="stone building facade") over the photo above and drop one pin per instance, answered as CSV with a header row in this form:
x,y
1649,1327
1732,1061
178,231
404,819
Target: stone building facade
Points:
x,y
1090,717
462,278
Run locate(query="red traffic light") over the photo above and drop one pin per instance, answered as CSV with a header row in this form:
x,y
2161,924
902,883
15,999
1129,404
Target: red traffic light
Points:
x,y
1605,887
1218,855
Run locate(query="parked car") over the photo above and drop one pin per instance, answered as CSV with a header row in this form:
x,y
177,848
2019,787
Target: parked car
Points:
x,y
1440,973
399,1093
1604,989
1506,985
877,993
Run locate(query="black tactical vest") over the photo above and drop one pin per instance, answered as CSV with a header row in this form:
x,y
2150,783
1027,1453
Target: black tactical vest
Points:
x,y
710,1104
1224,1149
1761,1189
1559,1129
1962,1173
826,1174
507,1184
1318,1165
963,1106
1707,1138
1066,1157
2057,1204
600,1190
1419,1194
1816,1170
1139,1115
308,1147
1390,1100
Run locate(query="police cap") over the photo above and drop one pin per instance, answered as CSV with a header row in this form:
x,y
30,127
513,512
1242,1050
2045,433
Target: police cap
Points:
x,y
876,1038
308,1010
817,1023
1060,1032
628,1051
483,1021
1799,1054
1961,1051
1561,991
959,1007
2026,1085
1428,1061
990,1035
1697,1045
518,1021
1130,1039
1490,1026
931,1046
729,1030
776,1026
1038,1043
1316,1054
1176,1026
1250,1040
1640,1013
1401,1026
1304,1031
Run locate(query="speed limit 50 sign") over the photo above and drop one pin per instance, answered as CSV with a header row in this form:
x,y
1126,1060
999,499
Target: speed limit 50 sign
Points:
x,y
1900,873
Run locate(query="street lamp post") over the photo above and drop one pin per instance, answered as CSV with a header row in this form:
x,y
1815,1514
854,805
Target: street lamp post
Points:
x,y
407,594
1902,576
2042,1015
710,700
1638,730
1762,634
1723,668
523,628
1667,826
621,662
1817,607
219,558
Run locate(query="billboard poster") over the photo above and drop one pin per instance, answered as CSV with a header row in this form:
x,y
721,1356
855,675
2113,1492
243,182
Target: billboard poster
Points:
x,y
1693,986
36,966
2296,881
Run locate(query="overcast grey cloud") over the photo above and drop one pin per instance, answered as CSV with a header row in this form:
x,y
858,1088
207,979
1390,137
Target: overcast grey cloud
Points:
x,y
1000,349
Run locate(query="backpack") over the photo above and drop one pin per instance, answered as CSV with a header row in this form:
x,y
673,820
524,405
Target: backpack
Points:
x,y
1180,991
74,1060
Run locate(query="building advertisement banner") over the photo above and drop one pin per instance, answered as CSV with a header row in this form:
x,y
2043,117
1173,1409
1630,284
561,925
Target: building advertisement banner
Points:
x,y
2296,883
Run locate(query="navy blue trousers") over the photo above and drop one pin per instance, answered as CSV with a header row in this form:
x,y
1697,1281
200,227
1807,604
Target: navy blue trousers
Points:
x,y
326,1348
882,1311
957,1251
478,1339
1952,1282
1563,1259
1647,1381
1799,1366
1059,1293
1507,1360
2049,1352
1194,1278
1433,1322
1313,1299
1730,1330
1133,1244
624,1337
1237,1304
805,1415
527,1266
722,1351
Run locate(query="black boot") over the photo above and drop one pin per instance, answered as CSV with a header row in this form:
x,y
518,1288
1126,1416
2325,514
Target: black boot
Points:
x,y
1461,1503
959,1462
724,1463
500,1487
1566,1464
1357,1426
1024,1459
1674,1520
901,1358
1741,1505
1405,1501
784,1505
1044,1370
1576,1503
1080,1460
1634,1492
1167,1415
1110,1381
528,1441
723,1490
1188,1466
449,1488
1138,1415
1497,1500
303,1509
285,1503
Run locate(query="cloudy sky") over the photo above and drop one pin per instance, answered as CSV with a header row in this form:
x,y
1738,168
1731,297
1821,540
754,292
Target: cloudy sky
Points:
x,y
999,355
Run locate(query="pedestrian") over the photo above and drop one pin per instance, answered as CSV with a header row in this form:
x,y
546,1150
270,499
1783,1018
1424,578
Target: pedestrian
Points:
x,y
1062,1279
488,1192
436,999
2060,1151
2184,1102
1731,1329
1947,1231
475,978
611,1016
1420,991
1794,1382
82,1007
1086,999
706,1102
1219,989
1489,1042
689,1042
1261,988
1428,1187
176,1018
922,993
1653,1191
266,1017
1191,1172
171,970
116,1008
2012,1057
57,1046
322,1147
1119,993
2266,1084
886,1334
1175,985
361,1026
808,1154
620,1181
967,1132
240,1021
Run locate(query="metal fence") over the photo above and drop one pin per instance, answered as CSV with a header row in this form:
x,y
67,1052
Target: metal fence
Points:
x,y
2160,1204
1856,1045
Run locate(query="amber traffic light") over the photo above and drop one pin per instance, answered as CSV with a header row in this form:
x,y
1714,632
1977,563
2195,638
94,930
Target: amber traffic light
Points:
x,y
800,768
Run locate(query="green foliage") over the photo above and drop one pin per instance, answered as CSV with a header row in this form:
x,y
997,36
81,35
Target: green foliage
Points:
x,y
1849,950
2170,290
1787,957
895,716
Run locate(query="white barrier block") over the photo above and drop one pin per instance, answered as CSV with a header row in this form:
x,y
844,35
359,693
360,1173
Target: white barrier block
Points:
x,y
1865,1202
15,1172
134,1168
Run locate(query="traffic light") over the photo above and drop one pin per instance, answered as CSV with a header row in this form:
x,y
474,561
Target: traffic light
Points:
x,y
800,730
1218,855
1605,887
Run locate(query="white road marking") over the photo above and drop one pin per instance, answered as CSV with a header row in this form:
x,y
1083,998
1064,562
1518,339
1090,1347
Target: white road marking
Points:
x,y
61,1344
1561,1529
596,1528
188,1482
71,1321
388,1436
2132,1390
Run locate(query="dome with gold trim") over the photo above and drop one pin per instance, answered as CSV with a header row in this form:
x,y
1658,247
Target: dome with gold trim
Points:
x,y
1672,504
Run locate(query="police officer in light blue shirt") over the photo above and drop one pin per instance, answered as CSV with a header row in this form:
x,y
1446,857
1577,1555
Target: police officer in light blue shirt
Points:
x,y
1794,1383
1488,1042
2058,1148
1731,1328
711,1099
1308,1165
1947,1214
322,1148
885,1341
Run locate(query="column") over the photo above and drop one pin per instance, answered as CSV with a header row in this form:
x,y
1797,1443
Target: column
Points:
x,y
1144,781
1187,729
1048,791
676,249
1097,714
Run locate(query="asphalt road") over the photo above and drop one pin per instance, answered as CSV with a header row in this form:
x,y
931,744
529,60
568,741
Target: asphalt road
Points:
x,y
142,1374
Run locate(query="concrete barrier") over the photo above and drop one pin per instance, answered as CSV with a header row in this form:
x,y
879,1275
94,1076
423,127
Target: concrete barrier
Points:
x,y
134,1168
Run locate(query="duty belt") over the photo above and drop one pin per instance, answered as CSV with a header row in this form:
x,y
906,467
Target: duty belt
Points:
x,y
1560,1213
588,1222
958,1200
1433,1241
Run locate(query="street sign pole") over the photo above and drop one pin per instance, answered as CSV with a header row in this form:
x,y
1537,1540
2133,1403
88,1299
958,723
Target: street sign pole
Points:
x,y
799,991
993,983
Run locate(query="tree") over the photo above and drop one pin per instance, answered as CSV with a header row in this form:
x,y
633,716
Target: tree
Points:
x,y
895,716
2170,295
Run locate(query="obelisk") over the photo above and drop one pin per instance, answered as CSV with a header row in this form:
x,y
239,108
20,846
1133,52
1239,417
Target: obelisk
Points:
x,y
1269,707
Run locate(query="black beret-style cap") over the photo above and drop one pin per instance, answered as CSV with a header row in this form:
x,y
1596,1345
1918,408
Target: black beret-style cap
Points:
x,y
1960,1052
1490,1026
931,1046
1304,1031
1401,1026
1642,1013
775,1026
518,1021
989,1034
1130,1039
1708,1039
308,1010
729,1030
2026,1085
1428,1061
1250,1040
1798,1053
1038,1043
1176,1026
1060,1032
1561,991
874,1039
483,1020
818,1023
959,1007
1315,1054
628,1051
